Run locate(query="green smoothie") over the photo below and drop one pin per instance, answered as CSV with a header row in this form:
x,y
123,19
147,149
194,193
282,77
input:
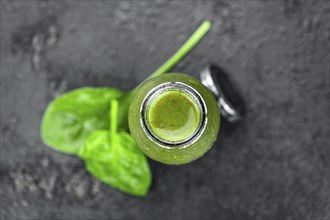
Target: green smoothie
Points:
x,y
174,118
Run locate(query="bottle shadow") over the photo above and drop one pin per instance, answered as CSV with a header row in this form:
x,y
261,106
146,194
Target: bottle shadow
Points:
x,y
228,128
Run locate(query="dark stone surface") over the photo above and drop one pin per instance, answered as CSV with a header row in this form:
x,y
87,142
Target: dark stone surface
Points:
x,y
273,165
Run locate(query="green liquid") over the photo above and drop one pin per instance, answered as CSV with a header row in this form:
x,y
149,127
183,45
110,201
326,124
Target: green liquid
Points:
x,y
173,116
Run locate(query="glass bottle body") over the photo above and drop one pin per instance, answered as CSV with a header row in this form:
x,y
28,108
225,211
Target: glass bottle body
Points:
x,y
174,118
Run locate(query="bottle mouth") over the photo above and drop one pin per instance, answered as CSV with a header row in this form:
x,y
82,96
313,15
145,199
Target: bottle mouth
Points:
x,y
173,114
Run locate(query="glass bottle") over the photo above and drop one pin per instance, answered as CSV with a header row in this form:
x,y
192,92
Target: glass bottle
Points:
x,y
174,118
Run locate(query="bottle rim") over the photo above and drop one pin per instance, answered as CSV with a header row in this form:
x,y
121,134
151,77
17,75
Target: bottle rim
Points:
x,y
173,86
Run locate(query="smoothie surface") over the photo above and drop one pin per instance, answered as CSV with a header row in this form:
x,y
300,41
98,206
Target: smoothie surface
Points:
x,y
173,116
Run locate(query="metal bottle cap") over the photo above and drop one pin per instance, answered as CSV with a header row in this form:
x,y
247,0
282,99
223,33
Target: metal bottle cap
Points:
x,y
230,102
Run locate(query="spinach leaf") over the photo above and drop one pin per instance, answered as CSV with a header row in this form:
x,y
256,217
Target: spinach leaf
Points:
x,y
121,165
71,118
115,159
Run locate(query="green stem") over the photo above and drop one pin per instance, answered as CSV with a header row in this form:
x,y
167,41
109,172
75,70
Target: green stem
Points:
x,y
183,51
113,120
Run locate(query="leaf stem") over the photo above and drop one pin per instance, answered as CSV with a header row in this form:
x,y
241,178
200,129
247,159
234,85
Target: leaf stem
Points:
x,y
184,49
182,52
113,120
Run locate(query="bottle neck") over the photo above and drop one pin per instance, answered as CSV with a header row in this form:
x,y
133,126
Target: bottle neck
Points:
x,y
173,114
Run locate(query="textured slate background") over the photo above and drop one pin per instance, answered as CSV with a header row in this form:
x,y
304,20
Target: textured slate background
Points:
x,y
273,165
